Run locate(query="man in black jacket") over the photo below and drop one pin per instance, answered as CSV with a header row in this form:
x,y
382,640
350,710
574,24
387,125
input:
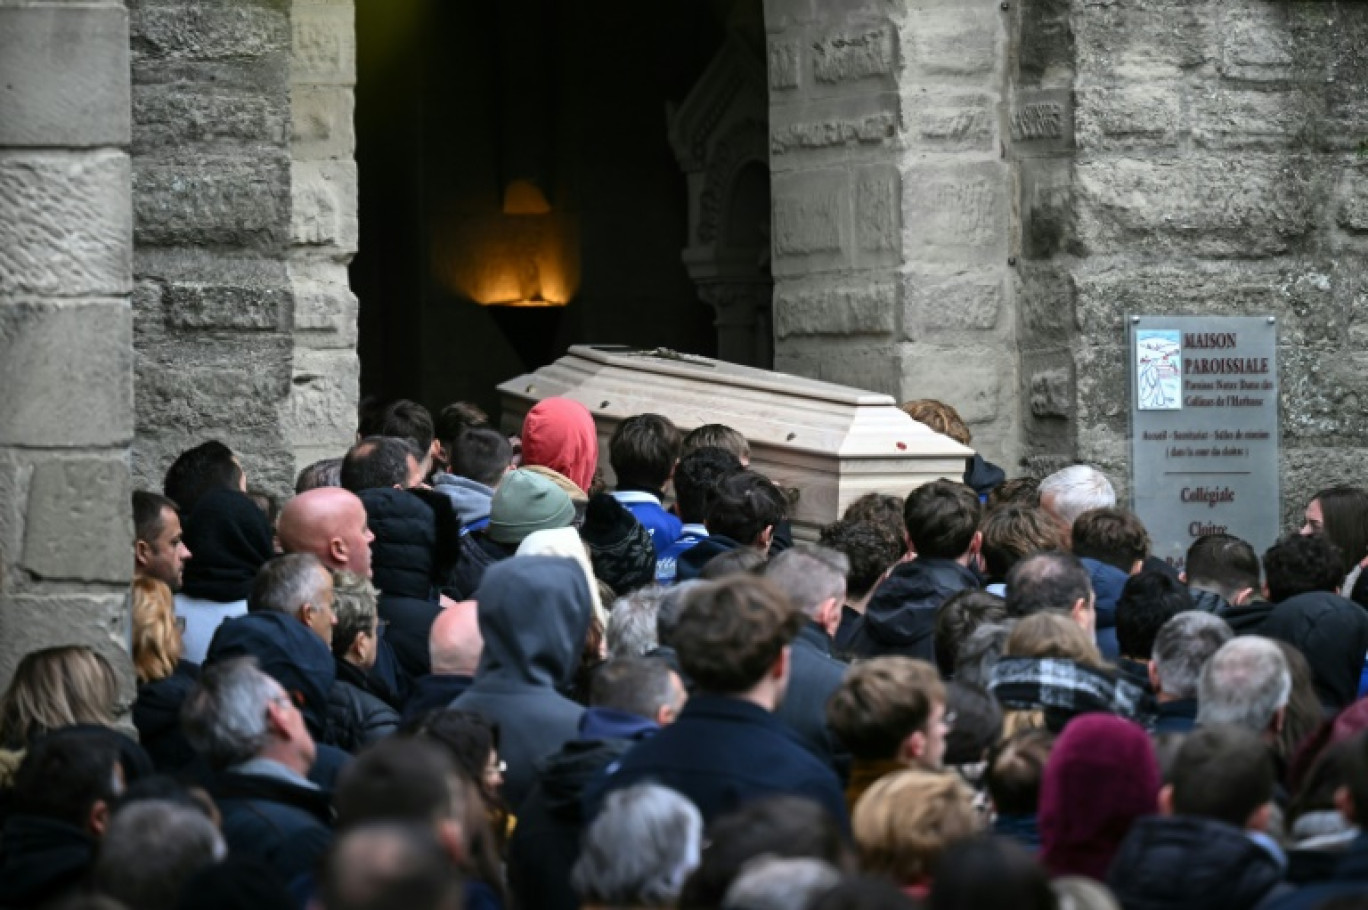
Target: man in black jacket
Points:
x,y
630,699
1209,846
942,522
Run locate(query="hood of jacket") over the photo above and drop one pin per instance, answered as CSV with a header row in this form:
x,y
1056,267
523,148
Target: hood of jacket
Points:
x,y
1333,634
1107,582
1181,862
982,476
286,650
469,498
559,433
534,614
41,857
1208,601
692,560
903,609
157,709
417,540
1249,617
229,539
605,735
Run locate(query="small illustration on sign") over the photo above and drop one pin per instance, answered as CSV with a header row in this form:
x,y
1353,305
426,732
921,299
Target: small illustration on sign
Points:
x,y
1159,369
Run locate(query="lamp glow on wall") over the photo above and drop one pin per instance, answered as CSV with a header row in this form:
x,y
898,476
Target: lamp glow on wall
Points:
x,y
524,256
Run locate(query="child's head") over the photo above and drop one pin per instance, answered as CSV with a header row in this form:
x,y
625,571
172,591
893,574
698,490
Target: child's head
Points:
x,y
643,451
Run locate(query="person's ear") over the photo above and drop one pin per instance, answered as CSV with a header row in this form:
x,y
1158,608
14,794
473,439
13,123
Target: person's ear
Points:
x,y
912,748
976,544
1275,726
1344,802
1244,596
142,552
1182,576
1136,567
451,835
766,538
98,820
1264,588
1166,799
665,715
780,667
1258,819
1154,677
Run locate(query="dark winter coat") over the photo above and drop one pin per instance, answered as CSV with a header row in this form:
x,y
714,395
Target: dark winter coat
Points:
x,y
545,845
534,614
724,752
1332,633
691,562
357,715
42,859
289,652
1175,716
1186,863
1248,618
901,616
1209,602
416,547
1107,584
982,476
1350,878
478,553
813,677
435,691
286,825
156,714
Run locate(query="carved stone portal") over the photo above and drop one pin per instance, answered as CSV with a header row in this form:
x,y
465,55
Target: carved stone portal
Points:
x,y
721,138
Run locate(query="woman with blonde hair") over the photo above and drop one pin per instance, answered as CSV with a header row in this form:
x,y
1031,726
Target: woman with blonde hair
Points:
x,y
164,679
55,688
905,821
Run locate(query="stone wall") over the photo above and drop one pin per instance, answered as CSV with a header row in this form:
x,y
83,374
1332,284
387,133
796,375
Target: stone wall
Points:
x,y
892,204
1219,170
66,362
244,218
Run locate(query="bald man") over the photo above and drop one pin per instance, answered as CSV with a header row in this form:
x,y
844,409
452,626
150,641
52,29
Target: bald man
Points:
x,y
330,523
454,647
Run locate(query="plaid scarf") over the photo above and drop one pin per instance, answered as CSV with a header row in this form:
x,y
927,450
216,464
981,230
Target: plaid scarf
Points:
x,y
1065,688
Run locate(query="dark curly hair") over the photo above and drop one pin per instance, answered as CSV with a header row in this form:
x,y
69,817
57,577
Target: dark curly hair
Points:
x,y
1301,563
871,548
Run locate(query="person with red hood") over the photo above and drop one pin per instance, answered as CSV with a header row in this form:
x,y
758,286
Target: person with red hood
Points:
x,y
1101,777
559,433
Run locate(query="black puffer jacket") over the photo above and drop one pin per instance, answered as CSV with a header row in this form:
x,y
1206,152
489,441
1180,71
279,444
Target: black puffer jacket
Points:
x,y
1332,633
1184,863
901,616
357,715
417,542
156,714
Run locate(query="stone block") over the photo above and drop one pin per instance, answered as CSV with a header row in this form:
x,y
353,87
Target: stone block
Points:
x,y
204,118
16,470
78,524
1103,387
1125,117
955,211
204,306
1144,39
323,121
785,63
321,408
1255,120
1246,207
812,220
219,201
878,205
783,15
1305,470
962,302
1047,206
852,56
324,44
148,318
324,204
1042,121
216,32
63,75
1352,210
1324,396
958,40
32,621
213,384
1045,300
1045,50
1052,392
65,224
840,308
827,131
858,364
968,377
324,312
947,122
1267,43
67,373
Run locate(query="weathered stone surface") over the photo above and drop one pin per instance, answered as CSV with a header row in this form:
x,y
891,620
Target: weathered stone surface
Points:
x,y
811,218
1042,121
868,122
865,307
214,384
853,56
77,525
1047,207
33,621
952,122
324,208
229,201
1352,213
956,40
1264,120
878,204
1200,206
65,223
1130,116
68,373
323,122
1324,396
1146,39
956,211
862,366
196,305
1045,298
207,32
785,64
1052,393
938,304
969,376
1262,43
324,43
1045,49
319,417
56,68
179,118
324,312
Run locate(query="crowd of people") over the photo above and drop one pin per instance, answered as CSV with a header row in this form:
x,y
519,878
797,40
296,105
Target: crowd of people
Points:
x,y
454,670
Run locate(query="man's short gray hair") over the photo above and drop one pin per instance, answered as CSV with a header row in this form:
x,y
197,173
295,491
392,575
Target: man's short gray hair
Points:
x,y
809,575
287,583
670,606
639,850
780,883
1077,489
632,623
1183,646
1244,684
355,602
224,717
151,849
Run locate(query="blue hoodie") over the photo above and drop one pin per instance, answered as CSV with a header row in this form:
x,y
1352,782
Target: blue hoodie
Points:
x,y
1107,583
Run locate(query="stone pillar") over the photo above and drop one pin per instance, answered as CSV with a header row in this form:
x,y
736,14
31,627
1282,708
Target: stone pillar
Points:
x,y
892,220
319,416
66,358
